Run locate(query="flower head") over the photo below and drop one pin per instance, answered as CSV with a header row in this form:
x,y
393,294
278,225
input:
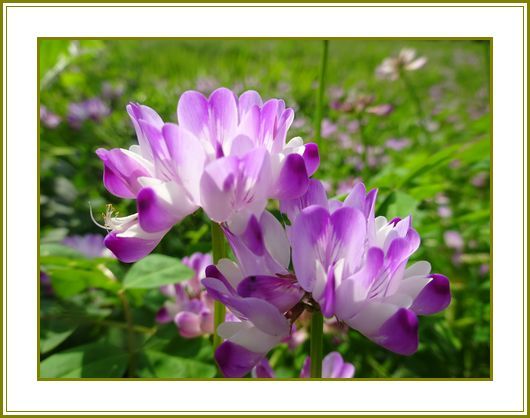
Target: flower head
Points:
x,y
227,154
258,290
355,266
188,306
49,119
406,60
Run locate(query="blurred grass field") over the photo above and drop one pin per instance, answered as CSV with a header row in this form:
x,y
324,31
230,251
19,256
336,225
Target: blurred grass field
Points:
x,y
440,175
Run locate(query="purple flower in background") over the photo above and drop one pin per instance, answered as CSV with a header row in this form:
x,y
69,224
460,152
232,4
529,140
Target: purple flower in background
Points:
x,y
49,119
112,91
406,60
445,212
397,144
454,240
333,367
484,269
90,245
227,155
328,128
355,267
189,307
258,290
94,109
198,263
480,179
381,110
193,316
296,337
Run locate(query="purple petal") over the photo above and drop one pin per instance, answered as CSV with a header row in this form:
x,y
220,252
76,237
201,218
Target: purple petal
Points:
x,y
334,366
122,169
283,293
217,188
162,205
163,316
263,370
248,100
386,324
349,232
311,158
130,249
139,113
234,360
253,237
327,301
181,145
434,297
189,324
305,373
293,179
307,234
399,333
192,113
315,195
223,114
264,315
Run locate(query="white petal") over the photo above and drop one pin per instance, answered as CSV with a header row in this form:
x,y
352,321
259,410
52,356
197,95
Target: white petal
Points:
x,y
231,271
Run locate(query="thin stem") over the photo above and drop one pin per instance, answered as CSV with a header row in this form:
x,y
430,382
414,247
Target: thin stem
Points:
x,y
218,252
417,103
316,332
320,94
130,332
364,143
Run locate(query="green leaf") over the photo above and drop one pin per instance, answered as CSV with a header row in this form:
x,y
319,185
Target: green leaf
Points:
x,y
161,365
58,250
54,332
156,270
401,205
69,281
91,360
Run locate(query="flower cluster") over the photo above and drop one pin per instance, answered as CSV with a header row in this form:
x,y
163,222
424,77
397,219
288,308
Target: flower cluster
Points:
x,y
188,306
348,263
228,155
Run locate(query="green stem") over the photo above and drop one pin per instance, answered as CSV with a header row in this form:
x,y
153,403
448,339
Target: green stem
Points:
x,y
130,333
364,143
320,94
417,103
315,338
218,252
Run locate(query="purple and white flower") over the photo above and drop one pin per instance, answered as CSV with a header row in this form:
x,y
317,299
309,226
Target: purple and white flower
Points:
x,y
333,367
258,290
188,306
227,155
355,267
